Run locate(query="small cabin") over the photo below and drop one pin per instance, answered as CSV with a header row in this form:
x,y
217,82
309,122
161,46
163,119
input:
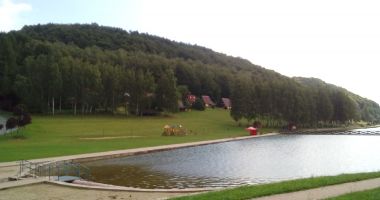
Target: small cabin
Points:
x,y
226,103
207,101
191,99
181,106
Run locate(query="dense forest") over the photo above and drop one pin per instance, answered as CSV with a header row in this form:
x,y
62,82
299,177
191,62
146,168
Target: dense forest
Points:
x,y
90,68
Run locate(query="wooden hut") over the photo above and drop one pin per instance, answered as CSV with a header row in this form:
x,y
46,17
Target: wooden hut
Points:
x,y
207,101
226,103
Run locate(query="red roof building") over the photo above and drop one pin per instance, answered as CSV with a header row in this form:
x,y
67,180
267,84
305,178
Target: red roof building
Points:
x,y
226,103
208,102
191,99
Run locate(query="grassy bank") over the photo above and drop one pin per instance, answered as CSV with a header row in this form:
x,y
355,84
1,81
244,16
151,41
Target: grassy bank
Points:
x,y
248,192
66,135
373,194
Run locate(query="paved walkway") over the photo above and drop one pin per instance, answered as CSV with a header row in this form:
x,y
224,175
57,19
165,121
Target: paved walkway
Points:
x,y
45,191
326,192
8,171
19,183
48,191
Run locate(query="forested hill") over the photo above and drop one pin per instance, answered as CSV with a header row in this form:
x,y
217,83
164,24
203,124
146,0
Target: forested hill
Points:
x,y
108,38
87,68
368,109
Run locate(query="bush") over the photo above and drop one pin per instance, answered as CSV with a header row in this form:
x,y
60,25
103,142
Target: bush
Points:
x,y
256,124
11,123
19,110
22,114
199,105
24,119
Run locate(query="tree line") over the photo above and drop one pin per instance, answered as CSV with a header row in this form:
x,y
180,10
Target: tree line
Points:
x,y
89,68
280,103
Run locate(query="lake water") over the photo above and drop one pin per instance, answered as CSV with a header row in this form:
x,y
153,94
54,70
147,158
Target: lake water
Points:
x,y
251,161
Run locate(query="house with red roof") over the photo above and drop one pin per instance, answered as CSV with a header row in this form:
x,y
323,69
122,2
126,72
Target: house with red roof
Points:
x,y
208,102
226,103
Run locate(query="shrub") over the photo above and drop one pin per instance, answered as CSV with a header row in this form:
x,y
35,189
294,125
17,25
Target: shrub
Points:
x,y
257,124
199,105
24,120
19,110
11,123
22,114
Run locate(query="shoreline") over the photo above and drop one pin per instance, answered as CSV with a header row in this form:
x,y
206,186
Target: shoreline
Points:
x,y
9,169
130,152
332,131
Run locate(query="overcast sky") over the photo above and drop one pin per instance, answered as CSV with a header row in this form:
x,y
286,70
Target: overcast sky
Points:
x,y
337,41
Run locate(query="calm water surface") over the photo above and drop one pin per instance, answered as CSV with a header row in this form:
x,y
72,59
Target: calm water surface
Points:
x,y
251,161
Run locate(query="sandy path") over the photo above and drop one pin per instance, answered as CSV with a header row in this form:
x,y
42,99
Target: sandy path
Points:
x,y
45,191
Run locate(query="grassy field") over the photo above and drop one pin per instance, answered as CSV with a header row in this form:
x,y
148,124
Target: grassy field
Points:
x,y
49,136
373,194
248,192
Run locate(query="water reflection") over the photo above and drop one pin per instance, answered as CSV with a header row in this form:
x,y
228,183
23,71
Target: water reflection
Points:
x,y
252,161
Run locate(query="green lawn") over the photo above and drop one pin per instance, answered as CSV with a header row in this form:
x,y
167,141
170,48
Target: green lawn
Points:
x,y
248,192
49,136
373,194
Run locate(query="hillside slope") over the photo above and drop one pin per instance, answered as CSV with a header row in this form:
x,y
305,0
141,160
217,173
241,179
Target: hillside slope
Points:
x,y
87,68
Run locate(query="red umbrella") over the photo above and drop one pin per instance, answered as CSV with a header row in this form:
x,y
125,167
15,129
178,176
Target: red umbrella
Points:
x,y
250,128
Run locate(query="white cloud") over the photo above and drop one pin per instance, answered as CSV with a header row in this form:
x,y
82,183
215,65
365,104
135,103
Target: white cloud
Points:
x,y
10,12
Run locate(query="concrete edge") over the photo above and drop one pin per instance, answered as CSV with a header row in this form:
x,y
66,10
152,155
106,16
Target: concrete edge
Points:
x,y
129,152
130,189
21,183
145,150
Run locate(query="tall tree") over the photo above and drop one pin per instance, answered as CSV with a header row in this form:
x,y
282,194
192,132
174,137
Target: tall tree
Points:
x,y
325,108
240,99
7,62
344,107
110,77
140,85
166,92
